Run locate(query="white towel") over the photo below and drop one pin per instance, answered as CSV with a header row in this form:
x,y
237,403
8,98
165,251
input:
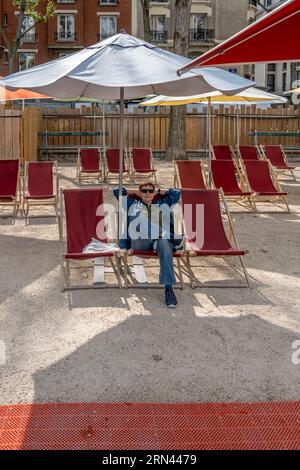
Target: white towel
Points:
x,y
96,246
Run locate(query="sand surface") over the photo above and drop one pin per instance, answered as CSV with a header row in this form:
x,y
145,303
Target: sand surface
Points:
x,y
117,345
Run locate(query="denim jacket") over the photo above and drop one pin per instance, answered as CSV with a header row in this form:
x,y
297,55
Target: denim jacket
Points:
x,y
137,209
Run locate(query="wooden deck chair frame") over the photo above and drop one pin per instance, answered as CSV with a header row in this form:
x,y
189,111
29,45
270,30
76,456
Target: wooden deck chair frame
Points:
x,y
82,175
152,255
134,175
177,180
108,175
15,201
257,198
279,171
245,202
231,236
27,202
66,266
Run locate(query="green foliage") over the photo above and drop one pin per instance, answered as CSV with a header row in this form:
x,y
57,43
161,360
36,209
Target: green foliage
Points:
x,y
32,8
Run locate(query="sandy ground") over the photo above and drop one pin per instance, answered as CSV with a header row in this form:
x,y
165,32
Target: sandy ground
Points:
x,y
112,345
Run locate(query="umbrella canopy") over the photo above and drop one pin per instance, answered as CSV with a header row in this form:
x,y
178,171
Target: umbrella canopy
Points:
x,y
122,61
273,38
252,95
21,94
295,90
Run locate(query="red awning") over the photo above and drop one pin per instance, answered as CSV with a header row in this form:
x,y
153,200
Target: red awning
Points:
x,y
273,38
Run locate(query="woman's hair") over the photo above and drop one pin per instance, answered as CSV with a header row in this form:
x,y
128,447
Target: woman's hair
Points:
x,y
147,183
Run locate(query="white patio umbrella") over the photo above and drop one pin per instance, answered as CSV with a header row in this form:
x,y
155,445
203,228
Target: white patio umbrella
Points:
x,y
123,67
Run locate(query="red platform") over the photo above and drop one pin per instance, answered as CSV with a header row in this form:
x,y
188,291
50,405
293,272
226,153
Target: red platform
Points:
x,y
145,426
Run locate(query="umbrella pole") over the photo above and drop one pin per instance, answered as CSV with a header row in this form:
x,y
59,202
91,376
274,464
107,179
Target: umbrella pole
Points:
x,y
121,155
238,132
209,126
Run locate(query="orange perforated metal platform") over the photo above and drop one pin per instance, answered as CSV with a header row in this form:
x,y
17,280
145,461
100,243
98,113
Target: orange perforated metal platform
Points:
x,y
129,426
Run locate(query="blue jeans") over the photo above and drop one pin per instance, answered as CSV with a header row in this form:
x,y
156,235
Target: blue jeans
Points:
x,y
165,253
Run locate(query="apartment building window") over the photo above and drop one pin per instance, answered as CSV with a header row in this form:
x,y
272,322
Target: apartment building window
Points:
x,y
271,77
28,23
198,28
158,28
108,26
26,60
66,27
198,22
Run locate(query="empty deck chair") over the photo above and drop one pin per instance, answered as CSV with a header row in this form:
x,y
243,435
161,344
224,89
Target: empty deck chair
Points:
x,y
189,174
141,164
38,188
224,176
81,221
278,159
211,239
222,152
262,181
111,161
9,185
248,152
89,164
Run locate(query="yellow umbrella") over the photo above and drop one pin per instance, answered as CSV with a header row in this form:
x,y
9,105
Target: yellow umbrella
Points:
x,y
295,90
251,95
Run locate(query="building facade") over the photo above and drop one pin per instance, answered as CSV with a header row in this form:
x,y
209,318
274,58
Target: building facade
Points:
x,y
211,22
75,25
275,77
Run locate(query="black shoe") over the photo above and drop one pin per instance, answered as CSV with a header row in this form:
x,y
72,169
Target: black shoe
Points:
x,y
170,298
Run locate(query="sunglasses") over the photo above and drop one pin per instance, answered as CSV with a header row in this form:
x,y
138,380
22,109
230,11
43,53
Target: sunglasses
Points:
x,y
145,191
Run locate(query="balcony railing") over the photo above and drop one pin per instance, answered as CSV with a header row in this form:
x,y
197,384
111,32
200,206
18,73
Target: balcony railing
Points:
x,y
159,36
68,37
202,35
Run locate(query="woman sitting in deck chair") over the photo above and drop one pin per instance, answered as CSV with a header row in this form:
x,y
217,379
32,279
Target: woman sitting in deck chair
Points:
x,y
146,231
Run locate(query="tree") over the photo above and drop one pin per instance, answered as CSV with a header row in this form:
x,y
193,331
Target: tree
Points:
x,y
177,126
146,19
30,8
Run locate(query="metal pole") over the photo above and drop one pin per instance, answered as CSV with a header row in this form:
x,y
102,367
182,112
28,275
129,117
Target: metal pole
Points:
x,y
238,123
121,155
209,141
103,126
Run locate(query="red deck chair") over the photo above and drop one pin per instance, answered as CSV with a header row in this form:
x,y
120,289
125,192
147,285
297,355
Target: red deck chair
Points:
x,y
215,239
9,185
38,188
112,163
278,159
224,176
81,226
189,174
249,152
263,182
139,279
89,164
142,164
222,152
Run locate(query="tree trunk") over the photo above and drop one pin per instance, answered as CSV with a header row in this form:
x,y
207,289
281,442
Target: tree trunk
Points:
x,y
177,128
146,19
12,56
